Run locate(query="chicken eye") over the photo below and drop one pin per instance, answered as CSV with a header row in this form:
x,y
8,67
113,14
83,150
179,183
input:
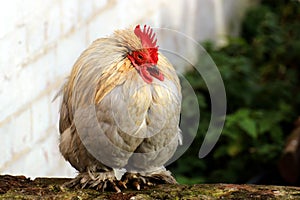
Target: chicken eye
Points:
x,y
140,56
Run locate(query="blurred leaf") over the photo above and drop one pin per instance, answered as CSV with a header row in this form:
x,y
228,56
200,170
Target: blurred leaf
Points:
x,y
234,149
249,126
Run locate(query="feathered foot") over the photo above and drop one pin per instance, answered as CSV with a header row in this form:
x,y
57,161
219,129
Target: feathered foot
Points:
x,y
94,180
139,181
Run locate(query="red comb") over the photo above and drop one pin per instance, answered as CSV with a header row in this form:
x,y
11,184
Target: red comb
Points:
x,y
147,36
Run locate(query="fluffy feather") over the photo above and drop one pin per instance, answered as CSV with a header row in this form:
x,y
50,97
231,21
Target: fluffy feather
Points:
x,y
108,106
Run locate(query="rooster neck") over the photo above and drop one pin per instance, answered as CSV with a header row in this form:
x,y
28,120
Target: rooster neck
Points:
x,y
111,77
123,73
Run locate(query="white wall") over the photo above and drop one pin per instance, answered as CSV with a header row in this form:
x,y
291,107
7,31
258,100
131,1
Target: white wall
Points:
x,y
40,41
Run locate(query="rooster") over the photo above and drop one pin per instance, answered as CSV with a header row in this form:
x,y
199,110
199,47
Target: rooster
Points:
x,y
120,110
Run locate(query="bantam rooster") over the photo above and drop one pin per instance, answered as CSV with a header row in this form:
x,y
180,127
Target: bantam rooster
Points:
x,y
120,110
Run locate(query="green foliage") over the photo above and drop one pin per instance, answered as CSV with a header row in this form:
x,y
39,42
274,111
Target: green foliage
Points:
x,y
261,72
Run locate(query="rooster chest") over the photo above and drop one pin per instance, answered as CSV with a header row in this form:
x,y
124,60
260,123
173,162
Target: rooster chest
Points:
x,y
136,116
137,106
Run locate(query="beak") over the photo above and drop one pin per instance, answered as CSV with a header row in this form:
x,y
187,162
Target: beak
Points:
x,y
155,72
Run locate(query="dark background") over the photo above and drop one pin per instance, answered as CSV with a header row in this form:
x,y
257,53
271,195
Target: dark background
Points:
x,y
260,70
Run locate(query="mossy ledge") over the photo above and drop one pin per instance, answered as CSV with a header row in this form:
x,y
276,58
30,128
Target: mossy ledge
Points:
x,y
20,187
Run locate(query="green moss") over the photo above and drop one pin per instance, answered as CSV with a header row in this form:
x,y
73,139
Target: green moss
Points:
x,y
51,189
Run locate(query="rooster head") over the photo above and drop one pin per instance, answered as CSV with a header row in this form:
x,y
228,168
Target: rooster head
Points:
x,y
145,60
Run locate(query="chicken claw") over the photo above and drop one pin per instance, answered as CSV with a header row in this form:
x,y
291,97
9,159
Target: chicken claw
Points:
x,y
138,181
100,181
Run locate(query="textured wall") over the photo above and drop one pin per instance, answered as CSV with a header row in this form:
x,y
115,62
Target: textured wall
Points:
x,y
40,41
